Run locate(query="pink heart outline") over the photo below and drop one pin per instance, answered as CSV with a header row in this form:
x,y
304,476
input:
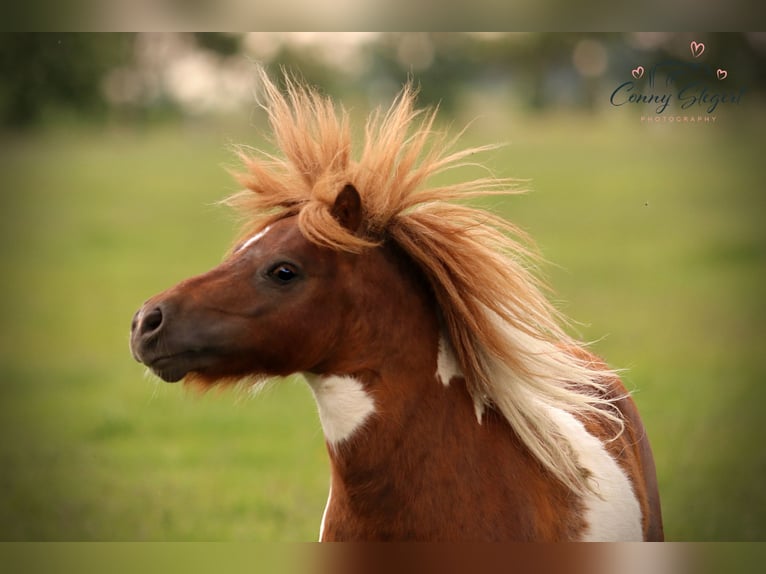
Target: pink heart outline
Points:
x,y
697,48
721,74
638,72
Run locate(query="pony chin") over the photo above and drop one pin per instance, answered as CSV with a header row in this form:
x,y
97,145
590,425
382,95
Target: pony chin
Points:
x,y
203,382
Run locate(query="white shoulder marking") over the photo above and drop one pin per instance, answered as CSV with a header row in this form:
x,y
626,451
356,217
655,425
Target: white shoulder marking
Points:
x,y
324,514
343,404
254,238
614,514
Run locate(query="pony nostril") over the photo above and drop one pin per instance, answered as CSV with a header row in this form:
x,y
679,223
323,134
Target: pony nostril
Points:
x,y
152,321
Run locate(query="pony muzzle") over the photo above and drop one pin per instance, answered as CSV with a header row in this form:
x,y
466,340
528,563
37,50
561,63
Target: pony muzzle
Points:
x,y
149,345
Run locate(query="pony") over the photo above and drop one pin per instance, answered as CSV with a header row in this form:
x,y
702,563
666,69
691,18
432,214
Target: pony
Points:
x,y
454,404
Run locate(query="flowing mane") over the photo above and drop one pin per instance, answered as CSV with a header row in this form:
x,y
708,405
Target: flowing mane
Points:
x,y
509,341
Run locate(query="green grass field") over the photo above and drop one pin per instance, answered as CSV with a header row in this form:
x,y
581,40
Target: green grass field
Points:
x,y
659,254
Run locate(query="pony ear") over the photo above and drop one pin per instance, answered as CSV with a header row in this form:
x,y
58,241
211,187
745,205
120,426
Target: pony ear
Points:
x,y
347,209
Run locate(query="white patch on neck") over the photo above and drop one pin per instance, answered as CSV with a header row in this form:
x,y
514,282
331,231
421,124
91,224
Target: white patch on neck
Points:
x,y
254,238
614,513
478,408
447,366
343,404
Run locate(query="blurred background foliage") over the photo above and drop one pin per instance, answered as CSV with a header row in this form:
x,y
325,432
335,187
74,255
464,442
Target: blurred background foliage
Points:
x,y
145,76
115,149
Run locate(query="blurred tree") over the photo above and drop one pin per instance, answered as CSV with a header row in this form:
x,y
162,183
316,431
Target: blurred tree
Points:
x,y
54,72
220,43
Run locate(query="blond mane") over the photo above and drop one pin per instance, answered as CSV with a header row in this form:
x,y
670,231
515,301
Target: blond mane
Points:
x,y
507,337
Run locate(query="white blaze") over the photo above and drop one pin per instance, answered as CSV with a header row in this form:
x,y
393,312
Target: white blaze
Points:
x,y
254,238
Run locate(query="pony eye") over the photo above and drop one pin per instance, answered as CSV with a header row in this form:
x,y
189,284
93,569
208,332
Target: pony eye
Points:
x,y
283,273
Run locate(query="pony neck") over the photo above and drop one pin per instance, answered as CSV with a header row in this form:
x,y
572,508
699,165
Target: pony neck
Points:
x,y
380,395
420,466
410,458
403,449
